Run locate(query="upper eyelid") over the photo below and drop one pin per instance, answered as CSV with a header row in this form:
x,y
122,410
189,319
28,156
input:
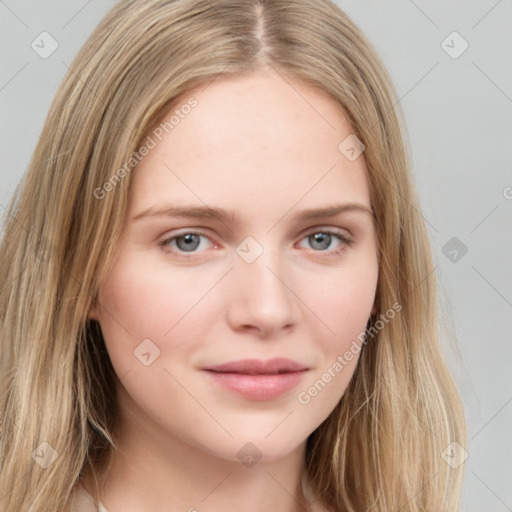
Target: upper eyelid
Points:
x,y
203,232
344,234
189,231
319,229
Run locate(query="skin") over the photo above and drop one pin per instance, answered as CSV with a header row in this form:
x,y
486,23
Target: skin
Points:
x,y
266,151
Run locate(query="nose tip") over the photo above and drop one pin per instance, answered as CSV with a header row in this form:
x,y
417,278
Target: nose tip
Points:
x,y
263,302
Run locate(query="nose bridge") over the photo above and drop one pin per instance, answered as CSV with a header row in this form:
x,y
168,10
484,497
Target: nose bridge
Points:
x,y
264,275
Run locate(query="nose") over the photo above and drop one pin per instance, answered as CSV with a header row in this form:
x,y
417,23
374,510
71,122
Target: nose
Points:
x,y
263,300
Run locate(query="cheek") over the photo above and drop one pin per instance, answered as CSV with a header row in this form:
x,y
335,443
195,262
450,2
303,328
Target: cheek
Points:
x,y
343,304
344,300
140,302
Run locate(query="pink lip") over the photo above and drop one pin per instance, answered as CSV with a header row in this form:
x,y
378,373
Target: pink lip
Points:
x,y
257,379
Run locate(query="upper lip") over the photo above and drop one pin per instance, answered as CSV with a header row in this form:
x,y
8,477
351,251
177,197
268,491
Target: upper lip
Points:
x,y
259,366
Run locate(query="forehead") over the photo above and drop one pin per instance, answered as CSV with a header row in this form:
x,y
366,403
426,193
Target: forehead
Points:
x,y
251,141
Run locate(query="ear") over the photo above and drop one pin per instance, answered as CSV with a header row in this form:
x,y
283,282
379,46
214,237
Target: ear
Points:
x,y
374,309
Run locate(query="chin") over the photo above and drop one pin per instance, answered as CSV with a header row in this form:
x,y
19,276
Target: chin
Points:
x,y
251,449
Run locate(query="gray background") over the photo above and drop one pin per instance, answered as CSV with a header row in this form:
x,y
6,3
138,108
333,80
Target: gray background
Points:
x,y
458,116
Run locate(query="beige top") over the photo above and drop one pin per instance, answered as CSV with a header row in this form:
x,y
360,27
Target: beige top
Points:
x,y
82,501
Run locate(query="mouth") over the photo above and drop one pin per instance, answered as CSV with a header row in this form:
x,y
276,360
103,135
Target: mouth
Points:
x,y
259,367
257,379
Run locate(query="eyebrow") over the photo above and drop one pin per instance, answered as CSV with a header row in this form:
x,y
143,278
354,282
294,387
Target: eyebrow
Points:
x,y
224,216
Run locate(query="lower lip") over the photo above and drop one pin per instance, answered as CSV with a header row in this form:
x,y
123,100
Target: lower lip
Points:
x,y
258,387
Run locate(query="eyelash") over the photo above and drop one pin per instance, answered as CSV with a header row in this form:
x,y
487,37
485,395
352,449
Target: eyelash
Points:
x,y
344,239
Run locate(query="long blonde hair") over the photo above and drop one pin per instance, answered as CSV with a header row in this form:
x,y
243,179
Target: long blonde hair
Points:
x,y
380,449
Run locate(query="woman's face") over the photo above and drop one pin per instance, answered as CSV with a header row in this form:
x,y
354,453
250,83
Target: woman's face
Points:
x,y
246,272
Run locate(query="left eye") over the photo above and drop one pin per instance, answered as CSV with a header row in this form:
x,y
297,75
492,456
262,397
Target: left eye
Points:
x,y
325,239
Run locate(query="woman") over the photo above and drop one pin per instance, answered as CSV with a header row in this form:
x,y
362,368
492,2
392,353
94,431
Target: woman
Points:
x,y
217,288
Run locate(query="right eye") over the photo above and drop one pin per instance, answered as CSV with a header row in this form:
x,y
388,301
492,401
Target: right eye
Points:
x,y
186,242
